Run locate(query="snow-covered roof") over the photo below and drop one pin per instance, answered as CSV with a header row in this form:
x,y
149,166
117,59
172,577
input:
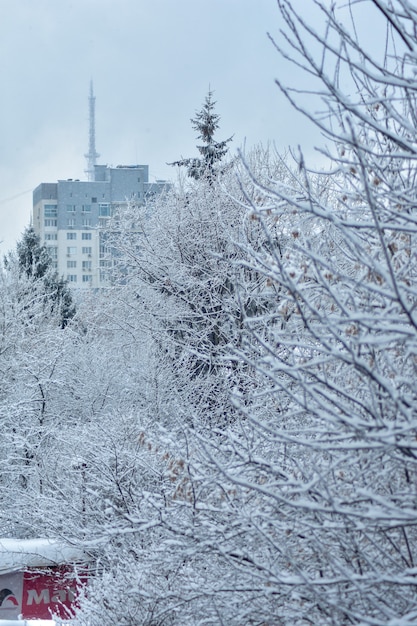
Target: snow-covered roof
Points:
x,y
19,554
12,622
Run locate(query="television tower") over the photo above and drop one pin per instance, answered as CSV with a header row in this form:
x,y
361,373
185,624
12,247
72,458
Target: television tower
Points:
x,y
92,155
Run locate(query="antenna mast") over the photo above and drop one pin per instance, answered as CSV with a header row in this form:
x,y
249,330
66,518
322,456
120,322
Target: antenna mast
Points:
x,y
92,155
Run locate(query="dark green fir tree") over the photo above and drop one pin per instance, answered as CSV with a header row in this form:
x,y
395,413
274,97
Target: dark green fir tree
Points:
x,y
206,122
35,262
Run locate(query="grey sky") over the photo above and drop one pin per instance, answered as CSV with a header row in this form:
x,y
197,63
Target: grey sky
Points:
x,y
152,62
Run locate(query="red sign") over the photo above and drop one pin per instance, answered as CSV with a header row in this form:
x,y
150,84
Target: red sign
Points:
x,y
39,594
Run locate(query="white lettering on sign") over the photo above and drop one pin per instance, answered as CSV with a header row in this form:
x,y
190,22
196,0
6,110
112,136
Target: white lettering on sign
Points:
x,y
60,596
34,597
43,596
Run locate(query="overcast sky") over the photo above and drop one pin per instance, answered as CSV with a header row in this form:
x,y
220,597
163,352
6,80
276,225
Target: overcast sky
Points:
x,y
152,62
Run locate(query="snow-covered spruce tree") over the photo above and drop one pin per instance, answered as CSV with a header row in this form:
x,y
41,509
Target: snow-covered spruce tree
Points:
x,y
176,254
206,122
34,261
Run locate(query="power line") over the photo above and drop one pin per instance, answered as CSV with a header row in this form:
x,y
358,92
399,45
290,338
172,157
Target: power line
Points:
x,y
22,193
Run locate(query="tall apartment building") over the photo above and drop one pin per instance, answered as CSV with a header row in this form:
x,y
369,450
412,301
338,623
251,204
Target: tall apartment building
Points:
x,y
71,216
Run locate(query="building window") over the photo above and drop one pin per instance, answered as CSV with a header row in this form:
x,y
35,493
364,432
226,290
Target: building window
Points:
x,y
72,250
72,278
93,200
104,210
86,208
71,264
86,249
86,221
71,208
49,223
71,235
50,210
86,236
87,266
87,278
53,252
71,222
51,236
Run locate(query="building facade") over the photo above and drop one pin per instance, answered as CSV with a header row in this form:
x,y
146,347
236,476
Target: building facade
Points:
x,y
71,218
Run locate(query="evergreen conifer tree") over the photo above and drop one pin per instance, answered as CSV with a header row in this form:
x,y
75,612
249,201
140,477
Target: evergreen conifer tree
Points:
x,y
34,259
206,122
35,263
